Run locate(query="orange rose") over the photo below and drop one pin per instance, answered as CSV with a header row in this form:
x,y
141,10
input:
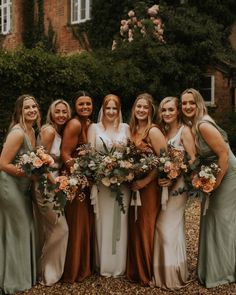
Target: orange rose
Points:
x,y
37,162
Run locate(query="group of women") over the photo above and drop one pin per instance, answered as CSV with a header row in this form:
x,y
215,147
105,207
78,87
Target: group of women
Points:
x,y
147,242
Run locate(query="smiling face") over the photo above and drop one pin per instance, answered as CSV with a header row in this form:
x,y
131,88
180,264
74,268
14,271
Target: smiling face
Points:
x,y
30,111
60,114
111,111
142,110
169,112
84,106
188,105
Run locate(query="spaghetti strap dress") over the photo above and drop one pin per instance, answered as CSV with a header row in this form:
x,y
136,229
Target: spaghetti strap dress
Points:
x,y
18,237
54,231
217,240
141,232
170,258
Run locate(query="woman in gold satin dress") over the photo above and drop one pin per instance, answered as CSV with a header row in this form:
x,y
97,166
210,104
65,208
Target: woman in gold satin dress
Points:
x,y
79,213
144,133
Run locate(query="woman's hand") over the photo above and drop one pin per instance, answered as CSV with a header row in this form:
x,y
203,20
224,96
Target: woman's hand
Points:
x,y
164,182
138,184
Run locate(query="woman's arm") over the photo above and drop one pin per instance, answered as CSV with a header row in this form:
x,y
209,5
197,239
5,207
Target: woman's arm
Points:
x,y
217,144
188,143
10,149
70,141
92,135
47,135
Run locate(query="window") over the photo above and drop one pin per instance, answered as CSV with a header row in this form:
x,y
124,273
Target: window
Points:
x,y
5,16
80,11
207,89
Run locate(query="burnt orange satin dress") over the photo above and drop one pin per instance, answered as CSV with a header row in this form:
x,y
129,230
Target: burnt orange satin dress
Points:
x,y
80,218
141,233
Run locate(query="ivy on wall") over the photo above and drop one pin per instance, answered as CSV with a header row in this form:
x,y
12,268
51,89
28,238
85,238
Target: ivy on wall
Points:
x,y
33,28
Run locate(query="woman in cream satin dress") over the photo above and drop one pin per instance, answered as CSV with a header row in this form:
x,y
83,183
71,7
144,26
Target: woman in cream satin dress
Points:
x,y
170,258
54,229
110,222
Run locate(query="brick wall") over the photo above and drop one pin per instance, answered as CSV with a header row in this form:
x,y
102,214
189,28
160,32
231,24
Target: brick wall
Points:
x,y
222,94
13,39
58,12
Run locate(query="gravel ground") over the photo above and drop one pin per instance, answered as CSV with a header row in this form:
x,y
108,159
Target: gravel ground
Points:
x,y
104,286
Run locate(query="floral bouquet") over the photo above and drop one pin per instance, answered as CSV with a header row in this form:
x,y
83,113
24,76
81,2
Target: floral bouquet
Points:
x,y
172,164
66,188
86,162
144,160
201,180
116,166
37,163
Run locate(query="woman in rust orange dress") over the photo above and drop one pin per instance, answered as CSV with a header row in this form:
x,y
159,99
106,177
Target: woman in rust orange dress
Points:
x,y
79,212
141,229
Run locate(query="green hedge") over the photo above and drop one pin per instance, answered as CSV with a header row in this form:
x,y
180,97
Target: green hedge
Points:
x,y
123,72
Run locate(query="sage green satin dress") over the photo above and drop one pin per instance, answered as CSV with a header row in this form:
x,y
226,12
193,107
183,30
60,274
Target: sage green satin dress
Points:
x,y
18,235
217,241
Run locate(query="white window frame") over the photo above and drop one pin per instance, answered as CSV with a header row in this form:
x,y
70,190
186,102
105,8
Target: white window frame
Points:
x,y
6,12
76,11
212,88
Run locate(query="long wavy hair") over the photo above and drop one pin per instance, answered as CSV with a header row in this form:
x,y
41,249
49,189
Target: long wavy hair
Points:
x,y
151,117
18,117
164,127
51,110
106,100
201,109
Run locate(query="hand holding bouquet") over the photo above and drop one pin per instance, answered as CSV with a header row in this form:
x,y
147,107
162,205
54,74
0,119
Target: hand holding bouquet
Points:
x,y
171,166
35,162
66,188
116,166
204,179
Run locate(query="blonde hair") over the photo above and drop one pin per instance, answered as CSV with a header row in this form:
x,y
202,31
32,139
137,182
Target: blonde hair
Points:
x,y
201,109
18,117
162,124
152,113
116,100
51,110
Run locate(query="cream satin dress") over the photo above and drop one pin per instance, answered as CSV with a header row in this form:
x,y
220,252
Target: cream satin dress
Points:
x,y
53,232
170,258
110,223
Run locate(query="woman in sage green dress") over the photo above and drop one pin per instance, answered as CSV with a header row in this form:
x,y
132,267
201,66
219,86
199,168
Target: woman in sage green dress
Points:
x,y
217,241
17,240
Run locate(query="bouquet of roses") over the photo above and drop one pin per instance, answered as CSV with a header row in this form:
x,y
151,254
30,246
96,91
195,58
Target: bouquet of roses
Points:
x,y
38,163
116,166
144,160
86,162
172,164
204,179
201,181
66,188
35,162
